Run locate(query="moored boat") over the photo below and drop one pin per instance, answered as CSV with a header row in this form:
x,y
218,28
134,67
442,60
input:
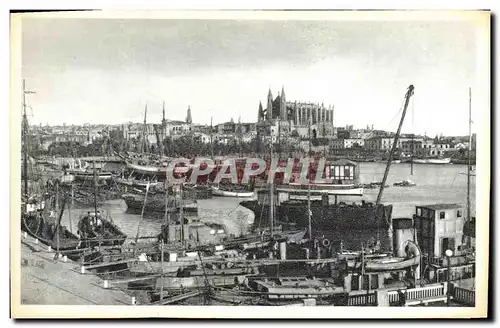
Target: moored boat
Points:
x,y
83,175
156,203
97,228
405,183
189,283
217,191
432,160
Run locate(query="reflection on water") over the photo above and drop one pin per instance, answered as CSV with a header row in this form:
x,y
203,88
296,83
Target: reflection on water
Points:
x,y
435,184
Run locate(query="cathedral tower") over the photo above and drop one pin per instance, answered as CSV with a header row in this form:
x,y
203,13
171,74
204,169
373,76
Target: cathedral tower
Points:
x,y
269,109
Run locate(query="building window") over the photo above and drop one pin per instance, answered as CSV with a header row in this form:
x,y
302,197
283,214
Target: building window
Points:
x,y
459,214
419,211
442,215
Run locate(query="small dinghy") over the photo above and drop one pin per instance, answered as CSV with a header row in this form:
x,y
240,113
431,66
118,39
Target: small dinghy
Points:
x,y
216,191
405,183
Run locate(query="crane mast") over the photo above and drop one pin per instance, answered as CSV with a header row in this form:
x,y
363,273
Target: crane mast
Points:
x,y
408,95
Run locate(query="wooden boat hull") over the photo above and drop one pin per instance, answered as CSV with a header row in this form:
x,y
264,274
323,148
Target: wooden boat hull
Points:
x,y
183,283
35,227
300,191
226,193
359,217
135,183
404,184
150,267
135,203
108,235
401,264
432,161
394,264
89,175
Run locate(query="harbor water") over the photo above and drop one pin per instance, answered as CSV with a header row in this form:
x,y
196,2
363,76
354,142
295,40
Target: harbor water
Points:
x,y
434,184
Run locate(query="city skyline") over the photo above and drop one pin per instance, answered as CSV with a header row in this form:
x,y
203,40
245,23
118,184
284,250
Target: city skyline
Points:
x,y
107,71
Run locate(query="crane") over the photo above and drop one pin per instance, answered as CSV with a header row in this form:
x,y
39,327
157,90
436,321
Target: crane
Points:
x,y
408,95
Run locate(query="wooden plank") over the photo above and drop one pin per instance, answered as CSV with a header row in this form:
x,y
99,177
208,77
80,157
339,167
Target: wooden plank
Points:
x,y
177,298
135,279
106,264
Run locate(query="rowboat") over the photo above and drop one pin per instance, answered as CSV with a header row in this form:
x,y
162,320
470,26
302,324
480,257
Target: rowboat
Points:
x,y
395,263
405,183
432,161
227,193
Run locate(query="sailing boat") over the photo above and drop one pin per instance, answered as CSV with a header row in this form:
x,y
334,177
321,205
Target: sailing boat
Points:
x,y
470,224
49,231
98,227
37,218
29,202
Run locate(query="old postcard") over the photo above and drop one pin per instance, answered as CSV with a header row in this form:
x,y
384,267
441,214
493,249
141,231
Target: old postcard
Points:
x,y
268,164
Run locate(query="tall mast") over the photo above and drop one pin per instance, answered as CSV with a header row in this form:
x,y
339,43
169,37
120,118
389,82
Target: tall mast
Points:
x,y
25,139
181,214
95,191
409,93
163,127
144,132
25,132
211,138
279,139
166,217
240,135
271,192
468,157
324,139
412,153
309,186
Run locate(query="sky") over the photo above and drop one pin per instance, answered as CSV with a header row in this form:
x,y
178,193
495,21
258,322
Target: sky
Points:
x,y
107,70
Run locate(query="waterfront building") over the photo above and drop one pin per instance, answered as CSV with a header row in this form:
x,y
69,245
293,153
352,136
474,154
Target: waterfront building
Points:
x,y
385,143
347,143
47,140
439,227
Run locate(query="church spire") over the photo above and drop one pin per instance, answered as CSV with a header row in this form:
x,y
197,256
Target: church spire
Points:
x,y
283,111
261,112
189,120
163,112
269,109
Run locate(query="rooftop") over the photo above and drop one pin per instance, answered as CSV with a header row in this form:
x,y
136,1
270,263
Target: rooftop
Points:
x,y
442,206
342,162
